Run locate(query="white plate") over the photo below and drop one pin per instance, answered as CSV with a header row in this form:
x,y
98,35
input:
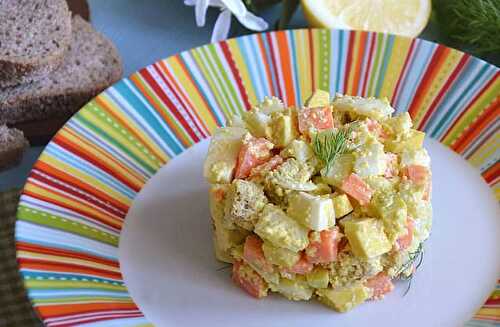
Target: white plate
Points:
x,y
167,259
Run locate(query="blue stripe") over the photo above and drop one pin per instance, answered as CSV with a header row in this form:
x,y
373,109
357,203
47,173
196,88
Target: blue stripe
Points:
x,y
295,76
45,275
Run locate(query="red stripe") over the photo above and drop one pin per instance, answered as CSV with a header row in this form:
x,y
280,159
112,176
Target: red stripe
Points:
x,y
273,60
348,62
403,71
236,74
311,50
23,246
176,96
476,146
85,197
266,63
60,140
166,101
492,173
369,63
440,97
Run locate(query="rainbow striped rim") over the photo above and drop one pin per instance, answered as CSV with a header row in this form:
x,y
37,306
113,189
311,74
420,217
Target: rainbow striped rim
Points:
x,y
78,193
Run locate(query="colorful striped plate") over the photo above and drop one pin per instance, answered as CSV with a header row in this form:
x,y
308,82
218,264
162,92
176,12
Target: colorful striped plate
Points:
x,y
78,194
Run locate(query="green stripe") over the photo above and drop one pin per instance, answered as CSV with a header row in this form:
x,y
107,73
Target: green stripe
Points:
x,y
324,59
60,223
59,284
71,299
375,65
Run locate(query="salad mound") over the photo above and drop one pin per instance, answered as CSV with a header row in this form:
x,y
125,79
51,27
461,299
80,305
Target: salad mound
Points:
x,y
330,201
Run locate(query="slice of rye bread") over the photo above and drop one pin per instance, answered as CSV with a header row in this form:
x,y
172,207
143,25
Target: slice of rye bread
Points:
x,y
12,146
34,37
91,65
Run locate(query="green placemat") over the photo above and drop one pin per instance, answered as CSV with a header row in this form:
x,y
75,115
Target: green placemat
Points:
x,y
15,308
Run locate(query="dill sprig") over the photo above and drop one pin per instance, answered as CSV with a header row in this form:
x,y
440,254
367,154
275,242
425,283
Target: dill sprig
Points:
x,y
475,23
414,257
329,146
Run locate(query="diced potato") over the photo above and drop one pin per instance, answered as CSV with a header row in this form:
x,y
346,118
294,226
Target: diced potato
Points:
x,y
415,157
342,167
222,155
400,123
299,150
319,98
282,130
344,299
220,254
378,109
280,230
236,121
413,140
244,201
341,205
366,237
393,212
413,195
257,123
321,189
271,105
280,256
217,199
370,159
313,212
297,289
318,278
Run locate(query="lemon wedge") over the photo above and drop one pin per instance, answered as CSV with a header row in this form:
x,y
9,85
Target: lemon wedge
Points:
x,y
402,17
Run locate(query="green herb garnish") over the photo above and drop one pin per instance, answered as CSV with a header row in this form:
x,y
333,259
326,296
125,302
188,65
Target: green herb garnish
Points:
x,y
414,257
329,146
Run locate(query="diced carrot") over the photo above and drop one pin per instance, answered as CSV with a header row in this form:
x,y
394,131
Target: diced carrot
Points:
x,y
392,165
219,194
317,118
354,186
417,174
253,152
272,164
377,129
380,284
325,249
302,267
405,241
249,280
254,255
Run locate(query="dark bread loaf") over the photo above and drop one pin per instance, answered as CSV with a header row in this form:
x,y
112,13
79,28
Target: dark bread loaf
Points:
x,y
12,146
34,36
91,64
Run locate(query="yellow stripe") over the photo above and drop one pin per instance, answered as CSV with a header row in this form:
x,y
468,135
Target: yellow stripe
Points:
x,y
243,70
79,174
352,73
191,91
400,49
56,258
60,284
106,217
303,64
485,152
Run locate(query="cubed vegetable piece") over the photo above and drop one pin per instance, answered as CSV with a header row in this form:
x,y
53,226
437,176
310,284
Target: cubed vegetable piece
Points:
x,y
417,174
301,267
280,256
253,152
296,289
257,123
283,130
405,241
271,105
225,239
400,123
377,129
244,201
323,246
220,254
216,200
312,211
341,205
413,140
254,255
391,169
415,157
246,278
222,155
393,212
318,278
366,237
319,98
315,119
299,150
354,186
341,169
370,159
380,285
344,299
266,167
378,109
280,230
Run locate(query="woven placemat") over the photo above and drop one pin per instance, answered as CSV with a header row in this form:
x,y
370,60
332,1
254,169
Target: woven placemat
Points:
x,y
15,307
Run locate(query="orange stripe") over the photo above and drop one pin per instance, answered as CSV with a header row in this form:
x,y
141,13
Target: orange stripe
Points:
x,y
46,266
286,66
77,308
359,62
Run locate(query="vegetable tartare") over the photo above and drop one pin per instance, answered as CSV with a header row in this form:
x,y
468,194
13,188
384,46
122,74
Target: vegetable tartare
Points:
x,y
328,201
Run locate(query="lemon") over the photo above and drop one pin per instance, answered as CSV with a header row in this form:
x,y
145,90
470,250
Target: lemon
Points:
x,y
402,17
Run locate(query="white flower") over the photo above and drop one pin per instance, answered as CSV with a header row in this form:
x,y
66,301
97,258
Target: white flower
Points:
x,y
223,23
